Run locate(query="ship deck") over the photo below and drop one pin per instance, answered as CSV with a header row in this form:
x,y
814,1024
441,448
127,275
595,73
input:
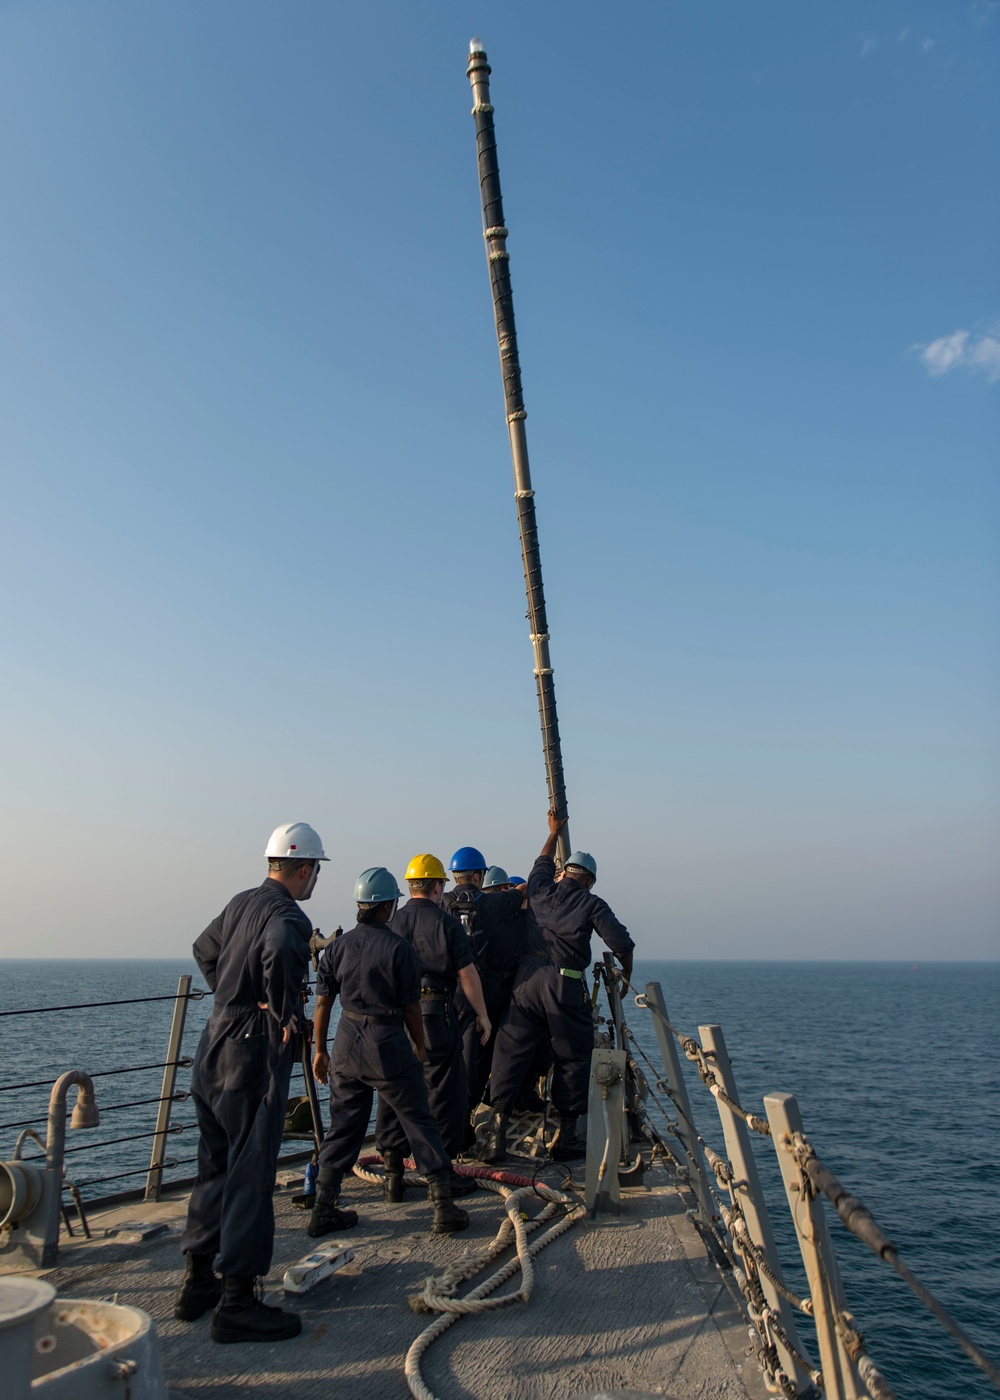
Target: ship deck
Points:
x,y
626,1303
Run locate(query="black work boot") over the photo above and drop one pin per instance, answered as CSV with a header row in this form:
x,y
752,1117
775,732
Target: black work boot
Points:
x,y
567,1146
200,1291
326,1216
448,1217
392,1181
462,1185
243,1317
495,1138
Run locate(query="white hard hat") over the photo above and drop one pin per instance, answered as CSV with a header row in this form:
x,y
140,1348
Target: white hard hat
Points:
x,y
295,839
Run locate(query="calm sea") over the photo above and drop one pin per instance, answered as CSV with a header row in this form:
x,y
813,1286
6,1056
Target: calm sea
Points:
x,y
896,1069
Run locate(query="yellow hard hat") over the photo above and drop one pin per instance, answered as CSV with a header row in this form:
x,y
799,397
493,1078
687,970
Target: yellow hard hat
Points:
x,y
425,868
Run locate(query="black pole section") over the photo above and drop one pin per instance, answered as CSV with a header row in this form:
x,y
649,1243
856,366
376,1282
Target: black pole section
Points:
x,y
498,261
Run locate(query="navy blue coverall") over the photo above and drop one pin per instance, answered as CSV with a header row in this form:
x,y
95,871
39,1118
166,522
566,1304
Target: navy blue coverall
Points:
x,y
545,1000
442,948
257,950
375,973
499,928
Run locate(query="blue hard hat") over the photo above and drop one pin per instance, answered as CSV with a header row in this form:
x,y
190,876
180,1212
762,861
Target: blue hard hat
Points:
x,y
517,880
584,860
496,875
376,885
467,858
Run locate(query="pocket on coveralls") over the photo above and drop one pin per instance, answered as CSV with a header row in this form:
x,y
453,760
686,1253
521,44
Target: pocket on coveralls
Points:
x,y
570,991
243,1058
440,1029
391,1050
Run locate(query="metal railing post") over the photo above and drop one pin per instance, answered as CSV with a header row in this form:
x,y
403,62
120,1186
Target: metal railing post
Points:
x,y
679,1095
154,1179
748,1193
840,1376
614,999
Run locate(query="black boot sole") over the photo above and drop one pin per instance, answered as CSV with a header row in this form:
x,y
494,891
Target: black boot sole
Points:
x,y
190,1312
329,1225
447,1228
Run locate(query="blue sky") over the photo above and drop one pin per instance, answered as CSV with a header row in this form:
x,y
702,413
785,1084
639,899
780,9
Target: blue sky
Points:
x,y
259,547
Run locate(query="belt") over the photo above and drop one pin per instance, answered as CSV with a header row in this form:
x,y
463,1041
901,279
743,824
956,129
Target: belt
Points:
x,y
546,958
368,1020
429,994
235,1009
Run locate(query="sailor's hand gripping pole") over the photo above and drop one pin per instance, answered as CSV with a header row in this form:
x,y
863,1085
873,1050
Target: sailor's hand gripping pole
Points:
x,y
498,261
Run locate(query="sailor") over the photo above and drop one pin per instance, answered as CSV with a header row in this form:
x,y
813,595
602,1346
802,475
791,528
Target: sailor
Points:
x,y
255,958
376,974
495,921
468,866
446,961
550,997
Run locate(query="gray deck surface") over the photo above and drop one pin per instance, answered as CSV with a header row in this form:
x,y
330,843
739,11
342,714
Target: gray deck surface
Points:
x,y
619,1303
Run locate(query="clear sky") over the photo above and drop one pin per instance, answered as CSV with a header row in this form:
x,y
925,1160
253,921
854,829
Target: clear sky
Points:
x,y
259,553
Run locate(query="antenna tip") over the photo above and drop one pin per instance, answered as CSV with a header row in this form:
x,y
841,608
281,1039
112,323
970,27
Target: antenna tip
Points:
x,y
476,46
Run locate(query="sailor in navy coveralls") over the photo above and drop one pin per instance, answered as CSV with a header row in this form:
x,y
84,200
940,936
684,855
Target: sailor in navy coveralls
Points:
x,y
376,974
255,957
550,995
445,956
495,918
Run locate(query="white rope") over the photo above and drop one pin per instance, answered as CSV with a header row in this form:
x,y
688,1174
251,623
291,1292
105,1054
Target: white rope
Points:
x,y
438,1293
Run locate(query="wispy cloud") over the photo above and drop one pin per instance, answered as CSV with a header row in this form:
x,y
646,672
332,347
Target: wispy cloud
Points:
x,y
976,353
982,11
872,42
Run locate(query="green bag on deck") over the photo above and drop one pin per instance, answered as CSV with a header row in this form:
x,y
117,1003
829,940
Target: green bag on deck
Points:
x,y
298,1119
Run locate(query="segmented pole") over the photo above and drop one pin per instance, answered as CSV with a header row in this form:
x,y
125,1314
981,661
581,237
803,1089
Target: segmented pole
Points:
x,y
498,261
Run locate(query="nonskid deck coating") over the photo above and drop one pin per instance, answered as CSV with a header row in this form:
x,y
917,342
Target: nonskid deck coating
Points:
x,y
619,1303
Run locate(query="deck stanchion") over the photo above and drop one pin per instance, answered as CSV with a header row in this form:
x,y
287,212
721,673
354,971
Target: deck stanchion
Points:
x,y
679,1095
748,1193
154,1179
834,1324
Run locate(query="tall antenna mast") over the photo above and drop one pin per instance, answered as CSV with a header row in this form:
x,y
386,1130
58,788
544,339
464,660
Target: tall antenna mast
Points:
x,y
498,261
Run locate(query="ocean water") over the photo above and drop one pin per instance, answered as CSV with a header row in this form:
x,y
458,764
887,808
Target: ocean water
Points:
x,y
896,1069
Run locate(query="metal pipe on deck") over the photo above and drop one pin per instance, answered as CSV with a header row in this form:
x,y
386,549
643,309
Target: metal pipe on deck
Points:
x,y
498,261
154,1177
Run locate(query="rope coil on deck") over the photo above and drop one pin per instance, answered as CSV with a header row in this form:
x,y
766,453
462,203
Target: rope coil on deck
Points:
x,y
438,1294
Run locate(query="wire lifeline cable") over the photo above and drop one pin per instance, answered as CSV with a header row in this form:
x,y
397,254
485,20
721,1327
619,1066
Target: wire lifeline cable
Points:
x,y
184,1063
856,1216
862,1224
196,994
498,262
